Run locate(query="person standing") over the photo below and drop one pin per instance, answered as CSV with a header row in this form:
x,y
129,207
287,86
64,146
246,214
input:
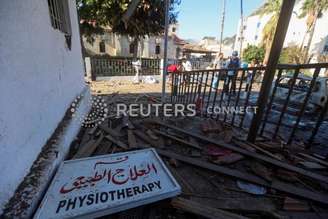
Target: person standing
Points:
x,y
173,71
137,67
186,64
219,61
218,64
232,64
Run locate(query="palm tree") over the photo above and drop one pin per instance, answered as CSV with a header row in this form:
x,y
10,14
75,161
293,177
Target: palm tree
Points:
x,y
270,7
312,9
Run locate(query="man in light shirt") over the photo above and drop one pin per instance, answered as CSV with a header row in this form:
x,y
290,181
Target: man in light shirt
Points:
x,y
186,64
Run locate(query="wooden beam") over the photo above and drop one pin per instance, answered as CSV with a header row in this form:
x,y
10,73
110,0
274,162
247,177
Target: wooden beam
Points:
x,y
250,154
87,149
283,187
110,131
203,210
322,162
276,47
178,140
157,144
103,149
132,139
117,142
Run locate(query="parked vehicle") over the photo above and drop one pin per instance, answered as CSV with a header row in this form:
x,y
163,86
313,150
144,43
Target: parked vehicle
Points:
x,y
318,96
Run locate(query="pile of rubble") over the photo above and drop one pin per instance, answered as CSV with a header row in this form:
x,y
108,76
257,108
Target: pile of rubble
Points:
x,y
221,174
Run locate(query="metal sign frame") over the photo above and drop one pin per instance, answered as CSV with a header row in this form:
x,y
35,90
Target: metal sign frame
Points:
x,y
169,187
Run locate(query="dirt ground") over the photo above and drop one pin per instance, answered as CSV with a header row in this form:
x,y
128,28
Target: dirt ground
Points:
x,y
125,87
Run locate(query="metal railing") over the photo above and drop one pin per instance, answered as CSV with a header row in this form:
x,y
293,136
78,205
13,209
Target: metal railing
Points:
x,y
196,64
295,110
122,66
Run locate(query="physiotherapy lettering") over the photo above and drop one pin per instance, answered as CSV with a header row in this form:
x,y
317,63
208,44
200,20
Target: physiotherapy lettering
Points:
x,y
104,197
115,176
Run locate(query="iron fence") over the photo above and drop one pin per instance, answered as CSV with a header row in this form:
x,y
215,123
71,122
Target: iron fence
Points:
x,y
122,66
296,108
196,63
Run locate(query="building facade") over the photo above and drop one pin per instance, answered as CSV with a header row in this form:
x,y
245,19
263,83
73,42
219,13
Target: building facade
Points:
x,y
41,74
212,44
253,32
148,47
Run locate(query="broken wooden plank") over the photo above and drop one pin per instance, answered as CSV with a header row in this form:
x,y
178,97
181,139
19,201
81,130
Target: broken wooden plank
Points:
x,y
144,137
88,149
258,205
203,210
132,139
283,187
110,131
186,187
314,159
228,159
303,215
86,137
117,142
151,134
249,154
93,130
259,149
291,204
104,148
126,121
178,139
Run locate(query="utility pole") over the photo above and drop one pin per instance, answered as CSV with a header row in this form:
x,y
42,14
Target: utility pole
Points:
x,y
241,37
222,25
167,5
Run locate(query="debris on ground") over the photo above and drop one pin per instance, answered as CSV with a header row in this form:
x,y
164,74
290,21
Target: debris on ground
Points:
x,y
221,174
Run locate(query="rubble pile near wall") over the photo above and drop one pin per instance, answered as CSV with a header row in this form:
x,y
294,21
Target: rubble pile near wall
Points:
x,y
221,174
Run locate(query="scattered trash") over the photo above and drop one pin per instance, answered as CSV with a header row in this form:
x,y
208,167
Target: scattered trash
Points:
x,y
251,188
228,159
150,80
216,151
209,157
291,204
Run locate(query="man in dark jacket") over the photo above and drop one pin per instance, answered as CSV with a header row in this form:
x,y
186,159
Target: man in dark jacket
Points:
x,y
232,63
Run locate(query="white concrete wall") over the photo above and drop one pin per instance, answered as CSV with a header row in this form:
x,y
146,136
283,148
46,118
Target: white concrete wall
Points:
x,y
252,34
39,77
295,34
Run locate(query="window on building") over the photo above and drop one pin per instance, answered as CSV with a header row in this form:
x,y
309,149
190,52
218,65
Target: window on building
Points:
x,y
256,36
258,24
60,19
173,29
132,46
245,27
157,49
177,54
102,47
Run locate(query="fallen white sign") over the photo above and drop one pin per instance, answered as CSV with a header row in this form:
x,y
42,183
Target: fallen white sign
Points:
x,y
97,186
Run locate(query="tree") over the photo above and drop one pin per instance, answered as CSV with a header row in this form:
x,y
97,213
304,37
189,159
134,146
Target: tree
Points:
x,y
324,58
291,55
253,53
312,9
269,7
145,18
